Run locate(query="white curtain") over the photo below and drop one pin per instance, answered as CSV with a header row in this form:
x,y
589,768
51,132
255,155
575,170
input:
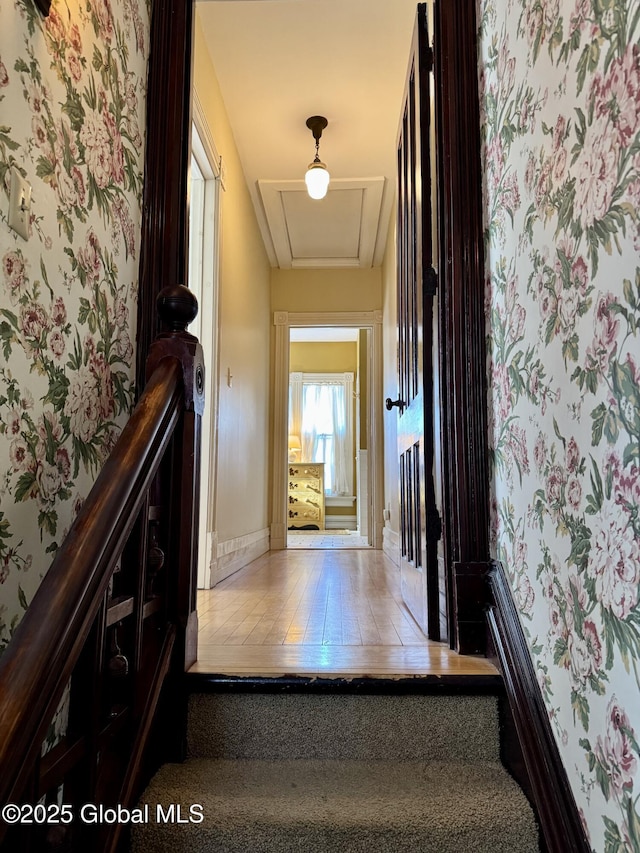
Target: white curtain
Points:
x,y
321,407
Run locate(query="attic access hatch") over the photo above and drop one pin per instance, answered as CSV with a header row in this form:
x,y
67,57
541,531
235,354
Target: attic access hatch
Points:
x,y
338,231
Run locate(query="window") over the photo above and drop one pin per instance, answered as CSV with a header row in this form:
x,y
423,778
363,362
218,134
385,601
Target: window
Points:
x,y
321,414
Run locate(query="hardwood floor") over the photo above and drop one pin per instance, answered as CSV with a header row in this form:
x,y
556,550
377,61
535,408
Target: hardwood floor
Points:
x,y
333,613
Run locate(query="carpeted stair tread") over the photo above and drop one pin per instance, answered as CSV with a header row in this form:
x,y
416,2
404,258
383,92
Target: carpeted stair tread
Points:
x,y
333,726
318,806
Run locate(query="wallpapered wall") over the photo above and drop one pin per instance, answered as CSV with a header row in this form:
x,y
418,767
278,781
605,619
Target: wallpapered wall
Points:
x,y
560,93
72,118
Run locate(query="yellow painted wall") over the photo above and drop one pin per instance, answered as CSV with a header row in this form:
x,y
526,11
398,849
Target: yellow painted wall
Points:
x,y
323,357
244,345
326,290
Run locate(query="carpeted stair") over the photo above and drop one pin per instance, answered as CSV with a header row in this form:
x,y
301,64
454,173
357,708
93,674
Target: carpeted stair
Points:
x,y
328,772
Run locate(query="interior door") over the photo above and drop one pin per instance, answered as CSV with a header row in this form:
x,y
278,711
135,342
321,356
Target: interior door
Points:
x,y
416,281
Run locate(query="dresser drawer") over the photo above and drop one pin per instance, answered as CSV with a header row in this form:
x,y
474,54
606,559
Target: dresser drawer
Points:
x,y
305,499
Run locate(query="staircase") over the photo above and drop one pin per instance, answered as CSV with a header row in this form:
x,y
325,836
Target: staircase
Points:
x,y
334,771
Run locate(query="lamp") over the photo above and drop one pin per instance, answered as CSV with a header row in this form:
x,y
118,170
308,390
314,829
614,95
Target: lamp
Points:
x,y
317,177
294,447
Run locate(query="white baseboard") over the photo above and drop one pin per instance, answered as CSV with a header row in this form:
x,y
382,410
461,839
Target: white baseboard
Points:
x,y
340,522
233,554
391,544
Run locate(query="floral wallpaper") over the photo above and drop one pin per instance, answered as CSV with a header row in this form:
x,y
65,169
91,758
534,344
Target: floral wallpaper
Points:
x,y
72,114
560,95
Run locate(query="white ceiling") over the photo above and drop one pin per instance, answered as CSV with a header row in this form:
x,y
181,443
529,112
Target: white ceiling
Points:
x,y
279,62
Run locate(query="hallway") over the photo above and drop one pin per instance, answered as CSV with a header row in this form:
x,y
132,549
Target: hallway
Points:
x,y
330,614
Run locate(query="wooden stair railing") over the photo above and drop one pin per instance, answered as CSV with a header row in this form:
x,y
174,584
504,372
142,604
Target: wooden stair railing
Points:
x,y
113,620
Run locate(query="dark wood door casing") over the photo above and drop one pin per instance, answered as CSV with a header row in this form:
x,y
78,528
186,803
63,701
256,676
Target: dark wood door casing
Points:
x,y
163,250
462,322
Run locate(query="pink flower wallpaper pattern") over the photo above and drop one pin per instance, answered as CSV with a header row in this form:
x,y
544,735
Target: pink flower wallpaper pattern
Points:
x,y
560,99
72,120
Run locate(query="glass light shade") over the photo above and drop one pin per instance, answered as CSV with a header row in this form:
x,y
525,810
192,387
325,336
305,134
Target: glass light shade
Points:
x,y
317,180
294,442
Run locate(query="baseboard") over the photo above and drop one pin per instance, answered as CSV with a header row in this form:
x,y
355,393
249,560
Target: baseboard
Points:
x,y
391,544
340,522
234,554
549,790
469,603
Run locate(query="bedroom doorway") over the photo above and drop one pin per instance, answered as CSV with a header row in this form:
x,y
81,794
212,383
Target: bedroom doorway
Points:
x,y
328,438
367,518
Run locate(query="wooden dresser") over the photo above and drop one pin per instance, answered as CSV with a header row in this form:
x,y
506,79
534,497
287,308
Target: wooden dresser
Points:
x,y
305,496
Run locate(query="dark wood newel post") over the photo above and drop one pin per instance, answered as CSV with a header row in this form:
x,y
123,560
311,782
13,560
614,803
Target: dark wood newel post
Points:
x,y
177,307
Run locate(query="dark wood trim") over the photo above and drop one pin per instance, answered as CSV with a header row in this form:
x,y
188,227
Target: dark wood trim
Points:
x,y
548,783
130,787
462,326
44,6
163,250
469,606
426,685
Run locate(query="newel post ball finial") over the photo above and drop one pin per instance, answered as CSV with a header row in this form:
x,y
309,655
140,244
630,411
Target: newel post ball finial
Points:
x,y
177,307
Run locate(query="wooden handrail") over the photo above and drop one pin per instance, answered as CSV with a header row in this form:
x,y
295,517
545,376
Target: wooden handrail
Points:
x,y
46,646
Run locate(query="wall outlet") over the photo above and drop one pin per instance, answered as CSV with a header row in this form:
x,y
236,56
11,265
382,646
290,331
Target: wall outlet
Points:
x,y
19,204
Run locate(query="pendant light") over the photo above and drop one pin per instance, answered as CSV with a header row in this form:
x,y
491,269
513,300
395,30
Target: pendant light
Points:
x,y
317,177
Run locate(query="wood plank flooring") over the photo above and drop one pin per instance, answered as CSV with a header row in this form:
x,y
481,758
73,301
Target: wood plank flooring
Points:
x,y
329,614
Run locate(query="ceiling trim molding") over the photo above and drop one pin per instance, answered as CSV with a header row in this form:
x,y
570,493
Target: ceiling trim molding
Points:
x,y
325,263
327,318
272,194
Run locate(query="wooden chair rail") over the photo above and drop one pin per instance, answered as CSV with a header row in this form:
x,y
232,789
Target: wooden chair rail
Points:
x,y
47,644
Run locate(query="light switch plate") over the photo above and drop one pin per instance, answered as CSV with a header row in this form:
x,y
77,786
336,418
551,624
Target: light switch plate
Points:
x,y
19,204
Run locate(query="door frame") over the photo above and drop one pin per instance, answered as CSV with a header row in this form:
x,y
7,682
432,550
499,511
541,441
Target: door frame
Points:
x,y
203,146
462,332
284,321
463,398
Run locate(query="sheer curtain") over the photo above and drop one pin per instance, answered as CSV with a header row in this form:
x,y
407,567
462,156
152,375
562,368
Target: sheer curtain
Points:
x,y
321,407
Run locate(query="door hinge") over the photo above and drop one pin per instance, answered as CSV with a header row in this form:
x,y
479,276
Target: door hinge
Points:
x,y
431,282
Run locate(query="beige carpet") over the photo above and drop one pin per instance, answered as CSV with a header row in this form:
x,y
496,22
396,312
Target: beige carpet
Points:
x,y
351,774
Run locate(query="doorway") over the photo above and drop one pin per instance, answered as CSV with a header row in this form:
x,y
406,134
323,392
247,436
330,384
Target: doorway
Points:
x,y
462,322
369,324
328,426
203,282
